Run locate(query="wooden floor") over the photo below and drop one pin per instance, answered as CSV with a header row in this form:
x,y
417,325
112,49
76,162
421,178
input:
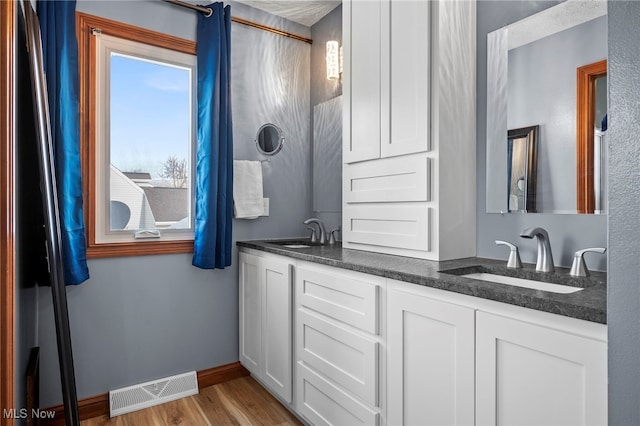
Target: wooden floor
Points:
x,y
237,402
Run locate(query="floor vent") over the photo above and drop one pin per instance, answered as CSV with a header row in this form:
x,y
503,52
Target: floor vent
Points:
x,y
144,395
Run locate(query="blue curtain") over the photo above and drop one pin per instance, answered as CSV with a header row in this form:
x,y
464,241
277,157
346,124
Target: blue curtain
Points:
x,y
214,156
60,55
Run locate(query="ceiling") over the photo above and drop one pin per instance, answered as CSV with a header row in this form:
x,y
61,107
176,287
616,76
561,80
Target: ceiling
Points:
x,y
305,12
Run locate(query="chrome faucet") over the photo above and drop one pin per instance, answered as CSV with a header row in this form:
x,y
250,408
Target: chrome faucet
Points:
x,y
544,262
323,232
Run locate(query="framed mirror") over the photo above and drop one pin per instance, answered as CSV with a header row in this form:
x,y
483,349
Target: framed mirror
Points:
x,y
269,139
522,169
531,78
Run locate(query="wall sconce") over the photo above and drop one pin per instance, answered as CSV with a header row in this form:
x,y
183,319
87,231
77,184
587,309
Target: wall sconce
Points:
x,y
333,60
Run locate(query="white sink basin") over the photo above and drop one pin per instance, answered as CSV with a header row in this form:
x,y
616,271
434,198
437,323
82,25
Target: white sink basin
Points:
x,y
521,282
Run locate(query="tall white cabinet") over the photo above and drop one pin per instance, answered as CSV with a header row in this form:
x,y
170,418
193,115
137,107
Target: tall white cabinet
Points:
x,y
265,294
409,127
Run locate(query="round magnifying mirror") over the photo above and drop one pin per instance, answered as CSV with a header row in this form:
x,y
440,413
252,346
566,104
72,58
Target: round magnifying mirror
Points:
x,y
269,139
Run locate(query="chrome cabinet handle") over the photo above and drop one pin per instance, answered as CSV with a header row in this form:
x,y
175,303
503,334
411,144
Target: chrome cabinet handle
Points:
x,y
579,267
514,256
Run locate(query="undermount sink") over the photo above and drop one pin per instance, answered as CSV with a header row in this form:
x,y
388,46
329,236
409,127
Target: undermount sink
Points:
x,y
522,282
293,244
505,277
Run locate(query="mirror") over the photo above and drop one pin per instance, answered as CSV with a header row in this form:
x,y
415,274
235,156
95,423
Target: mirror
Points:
x,y
327,156
269,139
531,80
522,167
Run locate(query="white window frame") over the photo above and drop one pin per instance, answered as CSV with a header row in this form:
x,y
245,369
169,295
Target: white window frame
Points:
x,y
105,46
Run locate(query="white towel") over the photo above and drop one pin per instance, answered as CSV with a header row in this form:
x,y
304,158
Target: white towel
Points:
x,y
247,189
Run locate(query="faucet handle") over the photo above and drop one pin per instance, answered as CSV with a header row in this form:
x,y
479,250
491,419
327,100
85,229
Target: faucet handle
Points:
x,y
314,237
514,256
332,236
579,267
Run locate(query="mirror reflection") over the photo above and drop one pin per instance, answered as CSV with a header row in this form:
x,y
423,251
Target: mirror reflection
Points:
x,y
531,80
522,167
269,139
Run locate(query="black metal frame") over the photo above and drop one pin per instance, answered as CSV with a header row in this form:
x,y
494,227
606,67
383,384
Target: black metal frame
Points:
x,y
51,213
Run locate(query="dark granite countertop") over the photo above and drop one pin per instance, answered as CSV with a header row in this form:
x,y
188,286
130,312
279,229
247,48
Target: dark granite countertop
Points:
x,y
589,304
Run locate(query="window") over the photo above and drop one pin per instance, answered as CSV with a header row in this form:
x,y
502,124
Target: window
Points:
x,y
138,115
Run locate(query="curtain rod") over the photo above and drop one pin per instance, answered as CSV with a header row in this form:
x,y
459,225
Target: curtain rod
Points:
x,y
207,11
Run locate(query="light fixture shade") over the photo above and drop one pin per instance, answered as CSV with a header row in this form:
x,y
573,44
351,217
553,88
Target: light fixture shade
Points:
x,y
333,67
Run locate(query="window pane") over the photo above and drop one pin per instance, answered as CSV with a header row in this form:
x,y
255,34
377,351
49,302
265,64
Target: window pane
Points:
x,y
150,144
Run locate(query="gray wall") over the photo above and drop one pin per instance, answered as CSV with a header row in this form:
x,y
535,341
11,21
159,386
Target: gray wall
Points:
x,y
141,318
542,91
567,232
624,218
323,90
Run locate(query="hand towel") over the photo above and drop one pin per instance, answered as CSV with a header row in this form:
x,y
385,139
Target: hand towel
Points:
x,y
247,189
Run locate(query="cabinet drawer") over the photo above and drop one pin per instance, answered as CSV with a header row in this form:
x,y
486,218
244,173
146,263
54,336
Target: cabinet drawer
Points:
x,y
346,358
340,297
400,179
324,404
396,226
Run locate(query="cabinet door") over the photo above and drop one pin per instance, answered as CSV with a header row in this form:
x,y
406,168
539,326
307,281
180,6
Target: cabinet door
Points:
x,y
530,374
277,327
430,375
361,80
405,77
250,312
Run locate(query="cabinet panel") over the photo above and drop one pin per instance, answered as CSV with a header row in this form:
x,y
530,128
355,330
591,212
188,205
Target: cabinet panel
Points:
x,y
397,226
266,325
250,313
393,179
406,71
325,404
430,361
341,355
348,300
361,80
529,374
277,328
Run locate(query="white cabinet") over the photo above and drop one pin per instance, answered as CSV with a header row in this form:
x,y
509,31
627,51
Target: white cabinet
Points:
x,y
430,361
386,78
361,80
339,347
265,295
530,374
460,360
409,127
374,351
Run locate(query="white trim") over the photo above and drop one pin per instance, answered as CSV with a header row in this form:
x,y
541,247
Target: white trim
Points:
x,y
106,46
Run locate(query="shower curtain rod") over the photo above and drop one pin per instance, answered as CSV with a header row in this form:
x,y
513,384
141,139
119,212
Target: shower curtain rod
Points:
x,y
207,11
